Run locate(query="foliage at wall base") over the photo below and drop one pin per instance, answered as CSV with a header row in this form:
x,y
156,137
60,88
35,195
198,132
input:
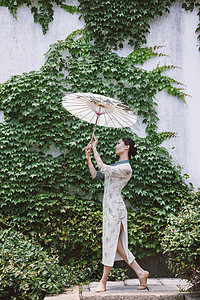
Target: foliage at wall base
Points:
x,y
27,271
181,242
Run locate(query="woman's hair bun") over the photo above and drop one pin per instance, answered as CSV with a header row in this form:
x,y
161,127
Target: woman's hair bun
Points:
x,y
133,149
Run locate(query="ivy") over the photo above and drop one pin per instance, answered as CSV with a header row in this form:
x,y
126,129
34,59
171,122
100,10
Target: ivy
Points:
x,y
113,22
190,5
103,72
42,10
52,198
107,22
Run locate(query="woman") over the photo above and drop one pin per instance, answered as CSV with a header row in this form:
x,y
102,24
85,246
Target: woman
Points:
x,y
115,236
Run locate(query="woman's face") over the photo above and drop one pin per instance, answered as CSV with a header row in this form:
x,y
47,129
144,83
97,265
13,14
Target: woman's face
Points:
x,y
120,147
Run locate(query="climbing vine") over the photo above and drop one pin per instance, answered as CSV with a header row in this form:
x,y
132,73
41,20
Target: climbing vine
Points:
x,y
46,196
52,198
112,22
101,71
108,22
42,10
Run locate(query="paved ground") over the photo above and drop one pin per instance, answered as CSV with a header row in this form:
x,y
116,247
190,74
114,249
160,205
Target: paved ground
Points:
x,y
68,294
157,289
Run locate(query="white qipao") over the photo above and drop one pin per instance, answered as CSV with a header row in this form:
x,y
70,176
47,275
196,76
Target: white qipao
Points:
x,y
114,211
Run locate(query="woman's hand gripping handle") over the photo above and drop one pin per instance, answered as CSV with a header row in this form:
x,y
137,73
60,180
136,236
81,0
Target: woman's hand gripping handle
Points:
x,y
88,149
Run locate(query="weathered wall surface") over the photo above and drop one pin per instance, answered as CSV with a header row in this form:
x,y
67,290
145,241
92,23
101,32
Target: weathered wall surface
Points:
x,y
177,32
23,46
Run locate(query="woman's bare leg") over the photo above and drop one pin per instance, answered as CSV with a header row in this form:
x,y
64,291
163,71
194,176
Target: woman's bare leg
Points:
x,y
102,284
134,265
142,274
106,271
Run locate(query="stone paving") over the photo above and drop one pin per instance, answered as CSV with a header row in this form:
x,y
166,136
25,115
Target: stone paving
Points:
x,y
157,289
68,294
163,288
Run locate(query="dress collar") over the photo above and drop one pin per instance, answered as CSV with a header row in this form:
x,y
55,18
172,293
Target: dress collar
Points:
x,y
122,162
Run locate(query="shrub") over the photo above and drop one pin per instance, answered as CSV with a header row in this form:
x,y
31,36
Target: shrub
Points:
x,y
145,230
70,226
182,243
27,271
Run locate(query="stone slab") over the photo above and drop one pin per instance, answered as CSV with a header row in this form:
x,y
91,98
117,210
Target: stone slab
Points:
x,y
170,281
67,294
157,289
110,286
180,283
117,289
85,288
162,288
108,283
135,282
192,296
145,295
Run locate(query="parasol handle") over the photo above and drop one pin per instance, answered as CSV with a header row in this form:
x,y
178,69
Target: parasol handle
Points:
x,y
98,115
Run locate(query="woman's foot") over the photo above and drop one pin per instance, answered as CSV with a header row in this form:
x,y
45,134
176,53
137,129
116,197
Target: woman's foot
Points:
x,y
101,287
143,281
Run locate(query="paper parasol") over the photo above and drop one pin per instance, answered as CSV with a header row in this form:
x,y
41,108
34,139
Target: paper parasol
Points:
x,y
99,110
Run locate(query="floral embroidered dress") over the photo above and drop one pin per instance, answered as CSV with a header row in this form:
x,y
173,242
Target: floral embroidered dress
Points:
x,y
114,210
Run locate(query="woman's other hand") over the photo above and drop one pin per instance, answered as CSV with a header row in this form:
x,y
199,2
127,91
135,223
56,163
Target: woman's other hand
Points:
x,y
88,149
95,142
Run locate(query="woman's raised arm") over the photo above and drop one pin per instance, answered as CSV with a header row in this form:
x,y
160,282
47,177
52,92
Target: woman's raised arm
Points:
x,y
90,164
96,154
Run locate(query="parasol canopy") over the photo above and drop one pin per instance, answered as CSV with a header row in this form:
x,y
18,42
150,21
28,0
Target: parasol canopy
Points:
x,y
99,110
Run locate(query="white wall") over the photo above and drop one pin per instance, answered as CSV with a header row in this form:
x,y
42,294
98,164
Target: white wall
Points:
x,y
23,46
177,32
